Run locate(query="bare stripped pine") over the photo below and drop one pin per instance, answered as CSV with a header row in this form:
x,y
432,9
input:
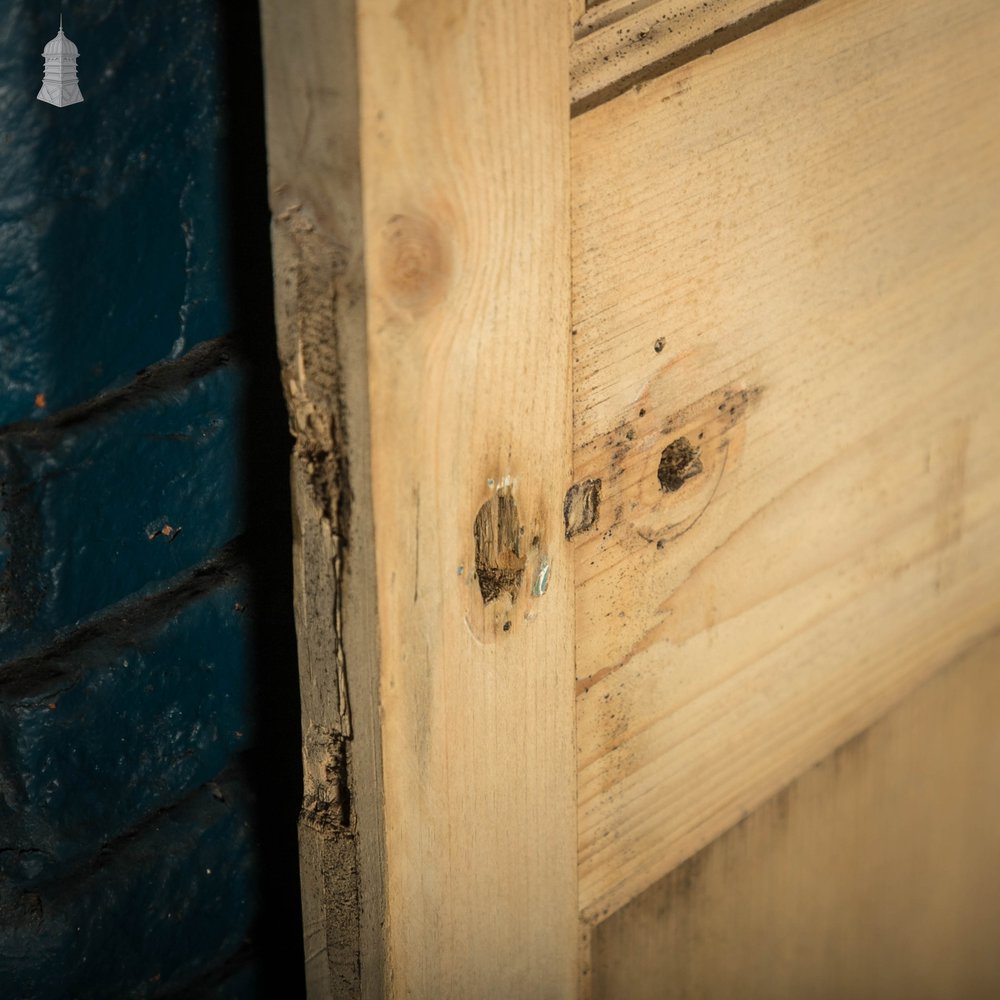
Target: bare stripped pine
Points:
x,y
877,873
317,240
604,13
465,146
577,9
622,43
786,359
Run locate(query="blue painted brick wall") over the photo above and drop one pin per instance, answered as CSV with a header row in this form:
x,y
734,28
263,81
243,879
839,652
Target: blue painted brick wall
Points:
x,y
142,916
147,669
80,503
162,716
112,234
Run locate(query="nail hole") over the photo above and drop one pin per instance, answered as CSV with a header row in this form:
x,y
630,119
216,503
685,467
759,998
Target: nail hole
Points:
x,y
679,462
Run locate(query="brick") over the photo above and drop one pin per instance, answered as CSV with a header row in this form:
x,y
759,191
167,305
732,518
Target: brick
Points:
x,y
121,260
103,737
241,985
25,294
237,977
143,918
79,503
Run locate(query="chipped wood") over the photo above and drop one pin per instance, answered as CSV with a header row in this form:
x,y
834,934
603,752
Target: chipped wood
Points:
x,y
317,245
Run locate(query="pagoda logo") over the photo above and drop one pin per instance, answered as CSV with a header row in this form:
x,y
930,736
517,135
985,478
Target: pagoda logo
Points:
x,y
59,86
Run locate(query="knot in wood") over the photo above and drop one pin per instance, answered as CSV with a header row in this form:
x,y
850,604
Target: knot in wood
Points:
x,y
414,262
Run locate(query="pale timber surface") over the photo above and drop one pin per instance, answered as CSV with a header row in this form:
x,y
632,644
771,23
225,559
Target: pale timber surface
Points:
x,y
875,874
621,43
786,354
465,157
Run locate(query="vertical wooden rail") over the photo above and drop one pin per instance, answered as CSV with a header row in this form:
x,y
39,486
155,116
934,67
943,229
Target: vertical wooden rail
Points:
x,y
464,135
419,185
314,165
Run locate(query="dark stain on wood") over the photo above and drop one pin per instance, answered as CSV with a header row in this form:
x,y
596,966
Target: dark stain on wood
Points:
x,y
627,38
582,506
679,462
499,560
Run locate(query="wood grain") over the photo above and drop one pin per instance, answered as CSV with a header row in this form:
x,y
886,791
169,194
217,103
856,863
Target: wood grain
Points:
x,y
311,81
621,43
466,209
577,9
875,874
784,262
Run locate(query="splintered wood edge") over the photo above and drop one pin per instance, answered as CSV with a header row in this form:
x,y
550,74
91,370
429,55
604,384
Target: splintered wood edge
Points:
x,y
311,94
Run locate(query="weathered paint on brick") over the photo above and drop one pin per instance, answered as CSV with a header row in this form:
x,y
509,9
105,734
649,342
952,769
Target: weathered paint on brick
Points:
x,y
112,238
149,914
236,977
78,505
116,879
24,286
106,737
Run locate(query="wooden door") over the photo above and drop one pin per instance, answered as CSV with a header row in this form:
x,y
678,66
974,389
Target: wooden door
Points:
x,y
642,363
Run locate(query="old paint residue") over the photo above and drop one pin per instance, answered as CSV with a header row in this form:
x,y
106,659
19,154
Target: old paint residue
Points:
x,y
582,506
541,583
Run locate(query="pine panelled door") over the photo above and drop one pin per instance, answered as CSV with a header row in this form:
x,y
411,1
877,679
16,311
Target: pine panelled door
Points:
x,y
642,359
